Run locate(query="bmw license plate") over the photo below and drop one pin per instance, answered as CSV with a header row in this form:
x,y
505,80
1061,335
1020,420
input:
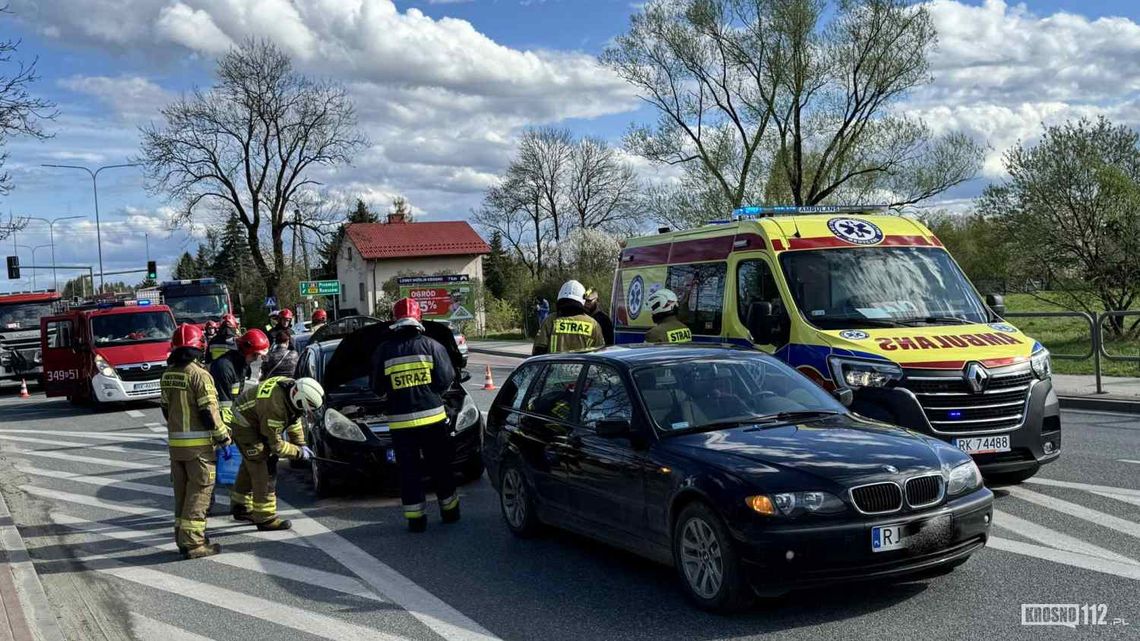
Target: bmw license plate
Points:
x,y
147,387
887,537
983,444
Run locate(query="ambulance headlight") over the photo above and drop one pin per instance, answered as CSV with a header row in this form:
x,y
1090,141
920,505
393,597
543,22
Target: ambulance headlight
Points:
x,y
854,373
1041,363
468,416
340,426
104,367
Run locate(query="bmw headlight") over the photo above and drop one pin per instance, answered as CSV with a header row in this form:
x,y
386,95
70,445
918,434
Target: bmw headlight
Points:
x,y
468,416
793,504
104,367
1041,363
340,426
854,373
964,478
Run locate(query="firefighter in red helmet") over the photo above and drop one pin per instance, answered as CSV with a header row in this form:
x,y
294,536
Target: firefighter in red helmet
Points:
x,y
320,318
412,371
223,340
195,428
284,324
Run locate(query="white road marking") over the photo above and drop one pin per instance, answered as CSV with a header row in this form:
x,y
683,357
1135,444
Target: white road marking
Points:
x,y
61,456
135,414
118,449
1055,539
1079,511
443,619
104,436
90,501
1125,460
157,428
1126,498
148,628
1084,486
1126,570
313,623
243,560
111,476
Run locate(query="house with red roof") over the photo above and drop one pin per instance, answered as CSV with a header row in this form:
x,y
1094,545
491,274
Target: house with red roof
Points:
x,y
376,252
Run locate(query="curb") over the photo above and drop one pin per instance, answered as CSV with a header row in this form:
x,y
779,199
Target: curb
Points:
x,y
29,615
1117,405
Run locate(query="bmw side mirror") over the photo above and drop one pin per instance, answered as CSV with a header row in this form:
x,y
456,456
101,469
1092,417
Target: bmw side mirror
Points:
x,y
844,395
464,376
760,322
613,429
996,302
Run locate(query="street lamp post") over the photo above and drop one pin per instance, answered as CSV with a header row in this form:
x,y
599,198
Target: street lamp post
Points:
x,y
95,187
51,234
33,250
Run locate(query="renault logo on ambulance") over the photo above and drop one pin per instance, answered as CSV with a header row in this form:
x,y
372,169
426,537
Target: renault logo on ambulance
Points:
x,y
977,377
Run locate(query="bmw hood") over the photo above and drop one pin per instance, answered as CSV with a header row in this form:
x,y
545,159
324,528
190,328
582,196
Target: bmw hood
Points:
x,y
353,356
838,449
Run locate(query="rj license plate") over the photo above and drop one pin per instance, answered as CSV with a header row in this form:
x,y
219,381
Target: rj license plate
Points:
x,y
146,387
983,444
887,537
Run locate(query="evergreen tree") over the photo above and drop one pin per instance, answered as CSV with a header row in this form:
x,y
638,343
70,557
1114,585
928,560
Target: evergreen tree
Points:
x,y
186,267
495,267
204,259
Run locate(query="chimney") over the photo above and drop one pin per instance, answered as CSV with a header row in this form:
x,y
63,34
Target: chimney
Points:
x,y
397,217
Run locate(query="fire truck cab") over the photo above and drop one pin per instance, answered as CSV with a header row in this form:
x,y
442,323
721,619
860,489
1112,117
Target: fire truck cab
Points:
x,y
106,351
20,314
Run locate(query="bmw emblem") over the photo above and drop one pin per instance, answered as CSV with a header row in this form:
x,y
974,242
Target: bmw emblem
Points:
x,y
635,296
890,469
853,230
854,335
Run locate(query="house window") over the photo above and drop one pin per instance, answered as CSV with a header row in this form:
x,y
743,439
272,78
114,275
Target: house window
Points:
x,y
361,292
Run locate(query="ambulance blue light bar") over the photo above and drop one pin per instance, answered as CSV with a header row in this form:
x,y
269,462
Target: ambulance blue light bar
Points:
x,y
761,211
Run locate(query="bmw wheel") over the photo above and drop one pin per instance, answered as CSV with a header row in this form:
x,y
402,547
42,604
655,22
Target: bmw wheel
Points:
x,y
517,503
707,562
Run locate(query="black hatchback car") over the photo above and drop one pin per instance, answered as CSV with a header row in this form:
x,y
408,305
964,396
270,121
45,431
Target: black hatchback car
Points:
x,y
349,434
729,465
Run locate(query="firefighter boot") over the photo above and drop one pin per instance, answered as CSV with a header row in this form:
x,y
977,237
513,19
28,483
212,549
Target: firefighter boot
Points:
x,y
418,524
275,525
202,552
241,513
450,516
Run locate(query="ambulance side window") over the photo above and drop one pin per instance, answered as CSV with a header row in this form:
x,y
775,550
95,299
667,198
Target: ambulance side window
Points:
x,y
700,288
755,284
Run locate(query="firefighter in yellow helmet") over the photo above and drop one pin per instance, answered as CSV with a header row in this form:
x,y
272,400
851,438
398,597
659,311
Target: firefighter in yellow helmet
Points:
x,y
571,327
261,414
667,327
195,428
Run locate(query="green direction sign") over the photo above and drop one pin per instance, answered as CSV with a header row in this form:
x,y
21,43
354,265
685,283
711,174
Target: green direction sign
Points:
x,y
320,288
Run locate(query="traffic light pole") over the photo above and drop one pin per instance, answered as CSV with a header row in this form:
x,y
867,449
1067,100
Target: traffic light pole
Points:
x,y
90,270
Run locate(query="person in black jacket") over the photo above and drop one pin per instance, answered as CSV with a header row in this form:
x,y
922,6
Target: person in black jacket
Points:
x,y
412,371
602,318
224,340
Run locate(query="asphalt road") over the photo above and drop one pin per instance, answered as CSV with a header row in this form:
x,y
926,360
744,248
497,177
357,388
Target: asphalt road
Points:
x,y
88,490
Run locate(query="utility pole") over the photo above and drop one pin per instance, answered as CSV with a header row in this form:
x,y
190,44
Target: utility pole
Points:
x,y
51,234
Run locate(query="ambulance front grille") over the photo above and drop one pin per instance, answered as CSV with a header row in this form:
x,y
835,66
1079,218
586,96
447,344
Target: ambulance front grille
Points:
x,y
952,407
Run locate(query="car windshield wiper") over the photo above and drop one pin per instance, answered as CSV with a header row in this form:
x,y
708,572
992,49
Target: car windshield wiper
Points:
x,y
785,417
761,418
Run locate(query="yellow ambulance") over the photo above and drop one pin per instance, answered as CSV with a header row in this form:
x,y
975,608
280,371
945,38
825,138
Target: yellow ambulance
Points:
x,y
861,300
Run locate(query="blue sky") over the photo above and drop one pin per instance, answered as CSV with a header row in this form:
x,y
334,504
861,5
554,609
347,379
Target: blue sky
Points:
x,y
445,87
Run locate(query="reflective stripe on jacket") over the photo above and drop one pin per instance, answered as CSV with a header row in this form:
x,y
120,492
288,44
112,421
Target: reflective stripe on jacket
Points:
x,y
185,391
262,412
412,371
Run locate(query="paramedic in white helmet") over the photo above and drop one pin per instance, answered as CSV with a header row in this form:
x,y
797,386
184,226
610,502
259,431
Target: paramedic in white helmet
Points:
x,y
667,328
570,328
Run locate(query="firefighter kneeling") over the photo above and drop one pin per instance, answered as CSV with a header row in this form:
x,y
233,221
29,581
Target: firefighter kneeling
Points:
x,y
412,371
195,428
260,414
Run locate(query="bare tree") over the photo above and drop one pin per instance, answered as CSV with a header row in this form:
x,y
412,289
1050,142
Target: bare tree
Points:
x,y
601,188
249,145
803,86
21,113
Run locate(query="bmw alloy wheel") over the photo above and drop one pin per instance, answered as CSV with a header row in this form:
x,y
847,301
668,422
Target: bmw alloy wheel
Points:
x,y
701,558
514,498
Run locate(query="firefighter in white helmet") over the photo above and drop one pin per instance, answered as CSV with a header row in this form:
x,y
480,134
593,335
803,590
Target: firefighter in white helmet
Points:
x,y
571,327
667,328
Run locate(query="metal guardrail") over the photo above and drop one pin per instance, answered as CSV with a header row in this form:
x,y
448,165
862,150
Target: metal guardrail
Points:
x,y
1097,350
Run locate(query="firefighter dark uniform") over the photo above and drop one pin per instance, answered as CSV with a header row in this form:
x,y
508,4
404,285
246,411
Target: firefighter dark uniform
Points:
x,y
195,428
669,330
260,414
569,333
220,344
412,371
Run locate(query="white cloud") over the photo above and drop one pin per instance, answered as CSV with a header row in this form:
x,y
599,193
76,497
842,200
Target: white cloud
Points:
x,y
192,28
133,98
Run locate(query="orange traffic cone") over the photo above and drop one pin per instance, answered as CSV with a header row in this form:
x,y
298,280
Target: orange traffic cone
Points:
x,y
24,389
488,384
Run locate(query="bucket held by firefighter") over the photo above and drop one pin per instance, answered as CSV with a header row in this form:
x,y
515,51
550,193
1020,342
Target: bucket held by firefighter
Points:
x,y
229,461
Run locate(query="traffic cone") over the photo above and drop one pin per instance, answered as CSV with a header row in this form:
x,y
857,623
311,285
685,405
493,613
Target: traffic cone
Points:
x,y
24,388
488,384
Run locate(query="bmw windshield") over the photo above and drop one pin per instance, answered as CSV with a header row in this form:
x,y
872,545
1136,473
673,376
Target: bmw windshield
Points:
x,y
870,287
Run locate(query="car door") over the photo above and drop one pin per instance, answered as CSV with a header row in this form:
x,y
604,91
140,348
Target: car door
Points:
x,y
63,375
545,423
605,475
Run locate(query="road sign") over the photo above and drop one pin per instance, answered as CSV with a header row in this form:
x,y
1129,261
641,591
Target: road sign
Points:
x,y
271,302
320,288
461,314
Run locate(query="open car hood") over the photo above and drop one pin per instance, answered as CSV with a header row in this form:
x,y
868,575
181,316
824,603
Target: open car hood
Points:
x,y
353,357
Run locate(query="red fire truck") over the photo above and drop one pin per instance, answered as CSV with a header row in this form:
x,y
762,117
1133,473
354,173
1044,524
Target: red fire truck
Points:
x,y
106,351
20,314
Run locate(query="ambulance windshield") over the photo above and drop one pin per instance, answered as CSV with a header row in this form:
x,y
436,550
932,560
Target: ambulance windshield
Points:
x,y
868,287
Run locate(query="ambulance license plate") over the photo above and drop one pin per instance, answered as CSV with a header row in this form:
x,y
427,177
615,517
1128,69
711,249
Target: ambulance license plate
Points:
x,y
887,537
983,444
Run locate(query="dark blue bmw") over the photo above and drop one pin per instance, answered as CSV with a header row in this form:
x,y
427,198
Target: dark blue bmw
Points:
x,y
730,466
